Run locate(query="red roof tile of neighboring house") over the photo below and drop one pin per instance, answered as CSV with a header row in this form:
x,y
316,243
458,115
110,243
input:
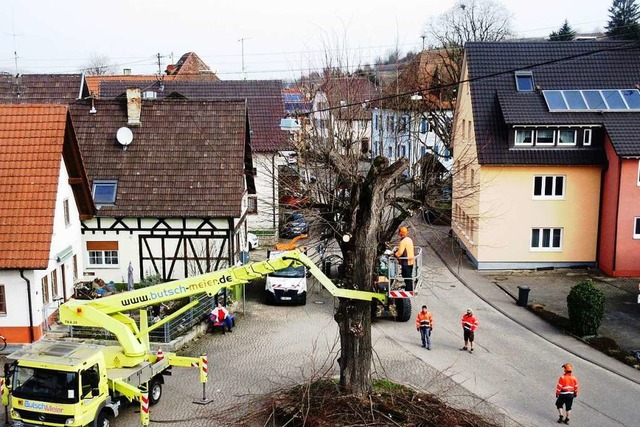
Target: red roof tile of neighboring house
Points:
x,y
188,68
41,88
186,159
32,146
190,65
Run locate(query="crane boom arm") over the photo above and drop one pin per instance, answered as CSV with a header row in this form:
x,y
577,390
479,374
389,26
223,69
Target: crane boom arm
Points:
x,y
109,312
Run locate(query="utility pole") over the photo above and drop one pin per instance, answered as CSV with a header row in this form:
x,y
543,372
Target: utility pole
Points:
x,y
423,37
159,65
244,75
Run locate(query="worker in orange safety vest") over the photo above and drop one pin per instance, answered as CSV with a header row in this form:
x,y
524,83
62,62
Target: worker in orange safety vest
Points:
x,y
424,325
469,325
406,256
566,390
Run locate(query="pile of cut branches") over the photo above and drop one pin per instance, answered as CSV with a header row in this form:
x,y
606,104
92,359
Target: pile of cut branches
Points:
x,y
321,404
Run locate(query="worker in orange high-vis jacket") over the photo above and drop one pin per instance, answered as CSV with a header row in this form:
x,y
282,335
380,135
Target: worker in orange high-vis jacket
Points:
x,y
566,391
406,256
424,325
469,325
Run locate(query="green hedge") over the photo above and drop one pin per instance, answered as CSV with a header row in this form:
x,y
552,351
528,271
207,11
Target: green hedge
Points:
x,y
585,303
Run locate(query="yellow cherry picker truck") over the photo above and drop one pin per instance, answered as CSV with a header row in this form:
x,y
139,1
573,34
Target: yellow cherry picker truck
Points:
x,y
64,383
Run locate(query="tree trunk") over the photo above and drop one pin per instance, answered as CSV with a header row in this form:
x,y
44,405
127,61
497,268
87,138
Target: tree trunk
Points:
x,y
354,321
369,199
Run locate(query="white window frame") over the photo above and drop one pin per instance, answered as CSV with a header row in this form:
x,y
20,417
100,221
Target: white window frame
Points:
x,y
100,258
559,135
65,211
636,228
548,144
523,144
550,248
586,137
638,182
543,187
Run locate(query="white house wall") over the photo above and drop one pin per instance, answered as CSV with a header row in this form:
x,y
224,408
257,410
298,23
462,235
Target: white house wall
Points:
x,y
265,220
65,243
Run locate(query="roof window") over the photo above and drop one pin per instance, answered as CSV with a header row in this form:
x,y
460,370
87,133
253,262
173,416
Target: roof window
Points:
x,y
104,192
524,81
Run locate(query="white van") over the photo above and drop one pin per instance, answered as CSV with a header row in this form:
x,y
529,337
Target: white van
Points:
x,y
287,286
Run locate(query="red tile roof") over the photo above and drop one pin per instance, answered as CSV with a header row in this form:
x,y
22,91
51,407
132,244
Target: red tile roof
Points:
x,y
31,147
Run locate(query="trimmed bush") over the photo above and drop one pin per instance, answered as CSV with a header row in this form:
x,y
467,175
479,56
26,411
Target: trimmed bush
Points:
x,y
585,303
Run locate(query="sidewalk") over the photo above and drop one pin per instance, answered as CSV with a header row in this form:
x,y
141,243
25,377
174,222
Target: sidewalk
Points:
x,y
500,290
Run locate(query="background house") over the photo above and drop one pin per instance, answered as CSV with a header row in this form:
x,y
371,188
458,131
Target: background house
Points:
x,y
546,155
188,68
44,193
340,110
406,119
172,193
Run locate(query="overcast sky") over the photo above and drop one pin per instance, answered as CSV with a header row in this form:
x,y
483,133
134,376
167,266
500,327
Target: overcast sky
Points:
x,y
281,39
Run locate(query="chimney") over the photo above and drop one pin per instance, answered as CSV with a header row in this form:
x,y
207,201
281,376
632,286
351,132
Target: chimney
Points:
x,y
134,106
126,71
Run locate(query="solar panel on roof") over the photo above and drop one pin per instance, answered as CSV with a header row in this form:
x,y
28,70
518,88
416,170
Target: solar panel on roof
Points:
x,y
592,100
555,100
575,100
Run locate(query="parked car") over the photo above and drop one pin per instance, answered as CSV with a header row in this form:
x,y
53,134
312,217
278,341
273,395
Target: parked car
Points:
x,y
252,241
294,225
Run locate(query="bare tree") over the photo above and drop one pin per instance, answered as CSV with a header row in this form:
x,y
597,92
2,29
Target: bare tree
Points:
x,y
99,65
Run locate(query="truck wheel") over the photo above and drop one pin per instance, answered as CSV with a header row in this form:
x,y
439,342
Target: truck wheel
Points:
x,y
155,391
102,420
403,308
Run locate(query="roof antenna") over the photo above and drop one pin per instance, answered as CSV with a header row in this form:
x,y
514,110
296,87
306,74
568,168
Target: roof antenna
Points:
x,y
15,49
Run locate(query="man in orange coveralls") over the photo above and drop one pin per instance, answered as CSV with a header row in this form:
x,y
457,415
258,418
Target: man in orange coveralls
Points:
x,y
424,325
566,390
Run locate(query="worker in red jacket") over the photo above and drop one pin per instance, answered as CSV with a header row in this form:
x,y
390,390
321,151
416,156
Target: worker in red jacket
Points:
x,y
424,325
469,325
566,390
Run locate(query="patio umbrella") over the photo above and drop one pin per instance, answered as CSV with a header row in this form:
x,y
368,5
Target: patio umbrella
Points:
x,y
130,277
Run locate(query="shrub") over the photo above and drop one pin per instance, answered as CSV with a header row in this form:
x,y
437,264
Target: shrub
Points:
x,y
585,303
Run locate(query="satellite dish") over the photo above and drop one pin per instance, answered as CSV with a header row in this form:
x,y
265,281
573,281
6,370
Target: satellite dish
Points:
x,y
124,136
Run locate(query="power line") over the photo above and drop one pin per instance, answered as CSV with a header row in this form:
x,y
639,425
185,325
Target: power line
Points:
x,y
624,46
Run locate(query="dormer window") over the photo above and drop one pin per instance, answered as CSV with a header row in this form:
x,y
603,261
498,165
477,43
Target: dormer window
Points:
x,y
524,81
104,192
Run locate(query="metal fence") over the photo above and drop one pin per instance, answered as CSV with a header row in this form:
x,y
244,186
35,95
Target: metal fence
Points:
x,y
165,333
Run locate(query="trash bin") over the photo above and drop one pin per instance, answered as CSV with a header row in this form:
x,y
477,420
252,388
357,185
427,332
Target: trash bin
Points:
x,y
523,296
